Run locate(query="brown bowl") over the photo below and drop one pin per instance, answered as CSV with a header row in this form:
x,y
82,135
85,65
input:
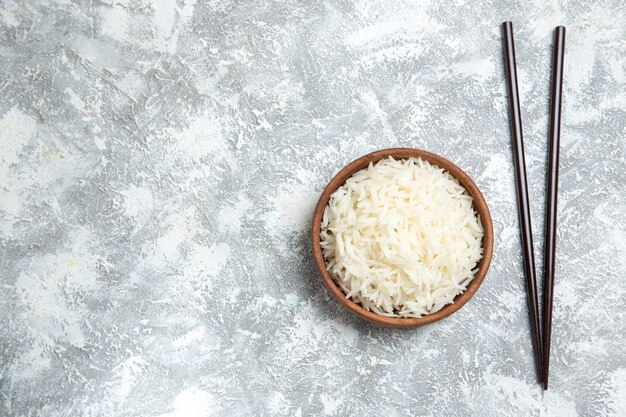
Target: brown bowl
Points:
x,y
479,205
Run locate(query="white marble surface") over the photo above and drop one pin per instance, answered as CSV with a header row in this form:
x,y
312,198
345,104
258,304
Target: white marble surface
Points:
x,y
159,162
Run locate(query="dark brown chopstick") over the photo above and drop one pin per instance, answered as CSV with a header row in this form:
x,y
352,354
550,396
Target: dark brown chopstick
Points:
x,y
522,192
552,186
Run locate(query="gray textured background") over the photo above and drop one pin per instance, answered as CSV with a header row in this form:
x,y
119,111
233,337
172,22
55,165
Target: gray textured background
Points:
x,y
159,162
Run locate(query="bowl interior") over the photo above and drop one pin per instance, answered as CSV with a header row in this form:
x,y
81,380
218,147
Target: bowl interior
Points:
x,y
479,205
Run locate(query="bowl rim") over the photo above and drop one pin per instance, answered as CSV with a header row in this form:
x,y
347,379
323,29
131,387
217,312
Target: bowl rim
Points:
x,y
479,203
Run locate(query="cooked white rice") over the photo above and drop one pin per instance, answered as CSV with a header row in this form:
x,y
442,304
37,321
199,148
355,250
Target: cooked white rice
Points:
x,y
401,238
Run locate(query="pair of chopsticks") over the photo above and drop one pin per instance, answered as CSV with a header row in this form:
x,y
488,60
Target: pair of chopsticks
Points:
x,y
541,350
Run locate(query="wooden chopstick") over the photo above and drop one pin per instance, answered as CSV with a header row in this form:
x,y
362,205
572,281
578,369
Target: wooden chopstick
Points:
x,y
522,193
551,202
